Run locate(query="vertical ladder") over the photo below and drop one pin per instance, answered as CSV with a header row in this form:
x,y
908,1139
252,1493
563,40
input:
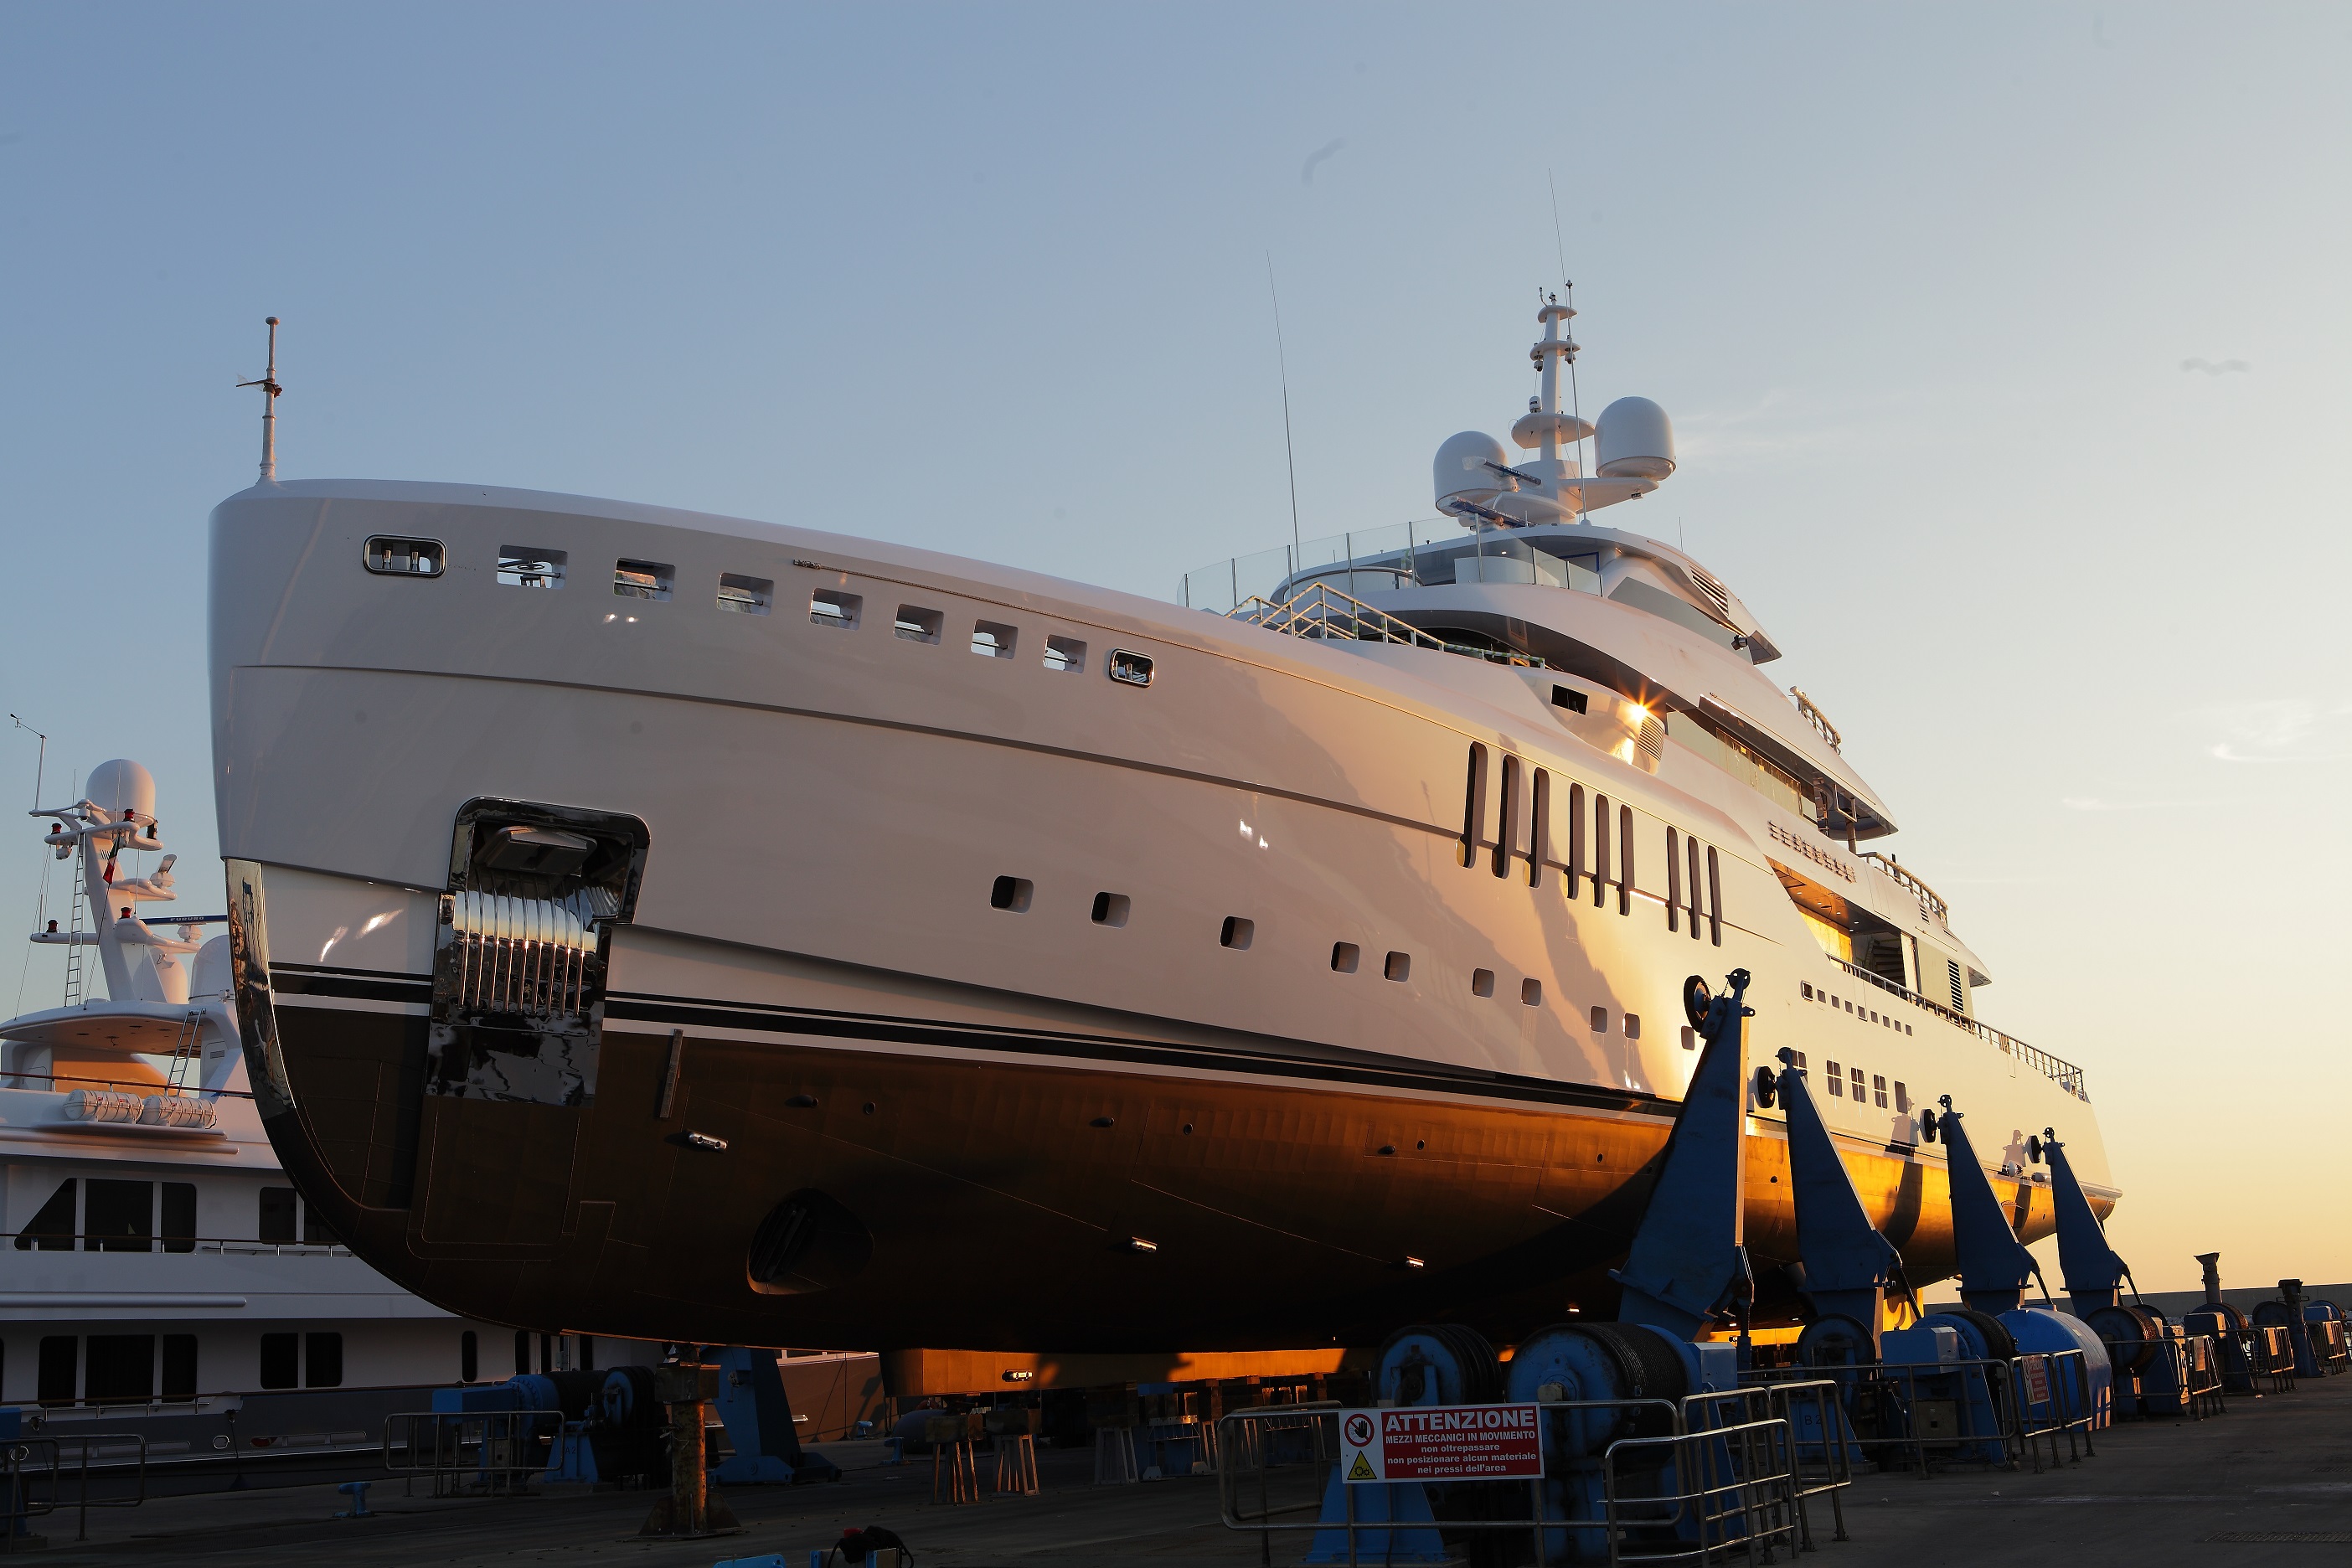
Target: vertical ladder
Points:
x,y
81,905
187,1051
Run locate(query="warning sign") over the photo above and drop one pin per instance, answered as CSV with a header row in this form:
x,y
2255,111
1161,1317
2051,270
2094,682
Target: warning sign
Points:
x,y
1442,1443
2037,1380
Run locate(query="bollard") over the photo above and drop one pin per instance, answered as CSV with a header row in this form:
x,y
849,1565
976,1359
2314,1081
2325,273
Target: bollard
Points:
x,y
357,1491
692,1508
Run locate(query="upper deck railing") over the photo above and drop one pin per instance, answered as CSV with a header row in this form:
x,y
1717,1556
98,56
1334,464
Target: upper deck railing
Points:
x,y
1320,610
1929,900
2058,1070
1374,560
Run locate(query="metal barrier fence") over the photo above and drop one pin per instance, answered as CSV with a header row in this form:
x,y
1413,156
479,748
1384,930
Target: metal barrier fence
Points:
x,y
32,1476
1820,1466
482,1451
2192,1365
1735,1487
1891,1424
1735,1490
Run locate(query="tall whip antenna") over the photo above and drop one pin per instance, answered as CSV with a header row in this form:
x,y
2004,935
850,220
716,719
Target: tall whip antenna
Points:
x,y
1289,455
269,391
41,901
1568,293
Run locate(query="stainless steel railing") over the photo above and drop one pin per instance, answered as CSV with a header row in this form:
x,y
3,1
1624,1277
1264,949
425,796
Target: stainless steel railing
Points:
x,y
2058,1071
1322,611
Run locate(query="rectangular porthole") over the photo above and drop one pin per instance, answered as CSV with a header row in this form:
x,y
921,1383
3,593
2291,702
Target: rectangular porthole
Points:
x,y
1531,992
832,608
1065,656
1236,932
746,595
1110,910
1807,988
1010,893
1690,1038
993,639
1482,982
1835,1079
1600,1020
919,625
528,566
1129,668
1857,1085
391,556
1878,1092
1399,966
1633,1026
1346,956
643,579
1901,1097
1567,697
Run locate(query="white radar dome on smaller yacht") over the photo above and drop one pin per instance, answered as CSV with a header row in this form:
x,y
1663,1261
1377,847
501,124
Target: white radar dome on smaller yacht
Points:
x,y
1637,440
1463,470
122,785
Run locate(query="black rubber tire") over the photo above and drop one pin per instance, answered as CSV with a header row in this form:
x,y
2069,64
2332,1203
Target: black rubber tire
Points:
x,y
1482,1369
1999,1343
1696,1000
2128,1356
1651,1369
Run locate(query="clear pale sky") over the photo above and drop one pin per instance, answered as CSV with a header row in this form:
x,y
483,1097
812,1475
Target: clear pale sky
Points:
x,y
2006,345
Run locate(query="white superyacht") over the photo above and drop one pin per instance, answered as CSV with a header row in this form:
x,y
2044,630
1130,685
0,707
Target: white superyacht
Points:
x,y
683,927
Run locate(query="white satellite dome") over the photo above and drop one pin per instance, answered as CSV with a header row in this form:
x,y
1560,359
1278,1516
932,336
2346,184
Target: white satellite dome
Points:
x,y
122,785
1461,470
1637,440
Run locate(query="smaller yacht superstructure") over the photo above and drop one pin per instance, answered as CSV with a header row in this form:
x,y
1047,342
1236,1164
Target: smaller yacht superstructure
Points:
x,y
165,1277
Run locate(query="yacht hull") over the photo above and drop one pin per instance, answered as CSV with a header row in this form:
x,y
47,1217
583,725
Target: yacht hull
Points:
x,y
1016,1188
1041,919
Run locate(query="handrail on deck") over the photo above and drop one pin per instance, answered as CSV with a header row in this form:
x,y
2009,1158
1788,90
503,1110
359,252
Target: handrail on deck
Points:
x,y
1323,611
2058,1071
1912,883
1819,719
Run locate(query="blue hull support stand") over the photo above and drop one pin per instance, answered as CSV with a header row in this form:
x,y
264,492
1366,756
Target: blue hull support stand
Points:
x,y
1849,1265
2092,1273
1407,1532
1688,1266
1994,1265
759,1422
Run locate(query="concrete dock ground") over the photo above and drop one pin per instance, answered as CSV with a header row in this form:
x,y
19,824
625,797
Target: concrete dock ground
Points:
x,y
2269,1483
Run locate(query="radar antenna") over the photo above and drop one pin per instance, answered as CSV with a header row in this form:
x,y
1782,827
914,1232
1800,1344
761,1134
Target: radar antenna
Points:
x,y
269,391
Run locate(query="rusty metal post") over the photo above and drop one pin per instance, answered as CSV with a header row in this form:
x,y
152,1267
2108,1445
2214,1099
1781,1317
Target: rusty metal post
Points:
x,y
690,1479
690,1509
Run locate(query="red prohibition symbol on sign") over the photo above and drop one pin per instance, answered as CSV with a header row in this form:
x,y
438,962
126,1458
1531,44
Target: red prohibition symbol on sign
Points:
x,y
1359,1430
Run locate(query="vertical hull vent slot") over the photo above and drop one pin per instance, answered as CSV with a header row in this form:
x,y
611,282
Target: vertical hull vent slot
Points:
x,y
521,951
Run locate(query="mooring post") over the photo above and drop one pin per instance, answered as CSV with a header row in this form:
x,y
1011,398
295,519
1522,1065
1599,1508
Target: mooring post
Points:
x,y
686,1388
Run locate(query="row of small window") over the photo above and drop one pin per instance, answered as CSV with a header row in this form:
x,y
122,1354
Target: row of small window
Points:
x,y
1237,931
128,1369
1851,1081
134,1217
1692,867
530,566
1867,1014
989,639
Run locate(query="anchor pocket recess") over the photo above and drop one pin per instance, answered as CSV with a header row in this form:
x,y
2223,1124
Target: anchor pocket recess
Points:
x,y
520,949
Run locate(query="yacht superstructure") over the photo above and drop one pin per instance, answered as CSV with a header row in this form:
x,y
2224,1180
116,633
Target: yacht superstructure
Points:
x,y
163,1275
681,927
